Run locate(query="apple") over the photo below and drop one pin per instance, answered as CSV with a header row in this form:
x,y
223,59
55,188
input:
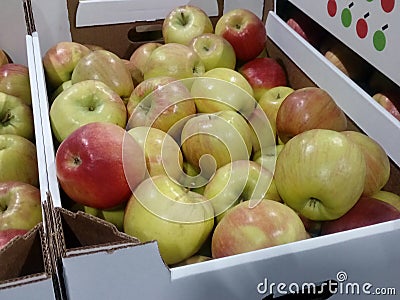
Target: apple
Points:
x,y
143,89
185,22
8,234
3,57
93,47
246,228
16,117
387,100
107,67
238,181
244,30
367,211
162,153
195,259
18,159
59,62
139,58
61,88
306,28
192,178
14,80
346,60
174,60
263,73
20,205
320,173
223,89
85,102
267,157
308,108
388,197
378,164
160,102
271,100
214,51
178,219
113,215
99,164
210,141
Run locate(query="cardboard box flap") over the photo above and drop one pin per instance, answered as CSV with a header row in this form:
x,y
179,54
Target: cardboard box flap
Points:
x,y
101,12
24,256
82,230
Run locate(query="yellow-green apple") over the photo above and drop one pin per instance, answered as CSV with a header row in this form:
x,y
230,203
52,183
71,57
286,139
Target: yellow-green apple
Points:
x,y
263,73
18,159
185,22
388,197
376,159
209,141
139,58
267,157
214,51
367,211
16,117
178,219
7,235
99,164
20,205
62,87
223,89
14,80
162,153
175,60
262,134
271,100
346,60
85,102
192,178
93,47
308,108
113,215
238,181
195,259
3,58
105,66
388,99
246,228
244,30
320,173
165,102
60,60
143,89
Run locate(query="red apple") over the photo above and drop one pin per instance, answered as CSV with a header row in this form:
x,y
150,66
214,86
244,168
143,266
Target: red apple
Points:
x,y
98,164
246,228
306,28
387,100
8,234
245,31
308,108
263,73
20,205
14,80
139,58
366,211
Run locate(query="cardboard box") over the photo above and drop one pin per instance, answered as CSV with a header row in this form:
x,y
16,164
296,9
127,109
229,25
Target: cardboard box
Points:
x,y
98,262
26,267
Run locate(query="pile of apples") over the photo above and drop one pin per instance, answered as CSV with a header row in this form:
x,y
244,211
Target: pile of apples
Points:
x,y
20,204
199,143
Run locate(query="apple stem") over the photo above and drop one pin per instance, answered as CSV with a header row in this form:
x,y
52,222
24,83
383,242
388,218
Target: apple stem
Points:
x,y
183,19
7,117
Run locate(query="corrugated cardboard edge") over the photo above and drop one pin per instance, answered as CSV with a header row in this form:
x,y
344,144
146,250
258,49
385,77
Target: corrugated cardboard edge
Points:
x,y
23,241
